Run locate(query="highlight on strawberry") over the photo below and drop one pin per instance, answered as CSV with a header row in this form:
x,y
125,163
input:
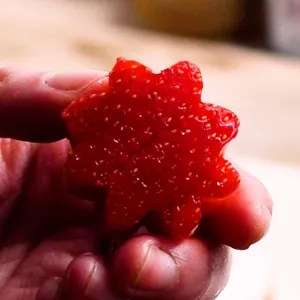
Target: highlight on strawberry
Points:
x,y
147,147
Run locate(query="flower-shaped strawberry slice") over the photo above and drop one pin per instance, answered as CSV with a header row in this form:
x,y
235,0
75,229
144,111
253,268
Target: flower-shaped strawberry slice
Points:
x,y
145,143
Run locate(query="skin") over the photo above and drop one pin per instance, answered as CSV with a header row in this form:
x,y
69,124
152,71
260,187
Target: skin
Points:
x,y
49,248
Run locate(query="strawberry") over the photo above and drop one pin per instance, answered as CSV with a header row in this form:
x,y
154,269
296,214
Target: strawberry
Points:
x,y
146,145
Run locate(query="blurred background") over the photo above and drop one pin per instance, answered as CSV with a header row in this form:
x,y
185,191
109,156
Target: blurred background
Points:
x,y
249,53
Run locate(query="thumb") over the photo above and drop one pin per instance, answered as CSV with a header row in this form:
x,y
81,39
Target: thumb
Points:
x,y
31,102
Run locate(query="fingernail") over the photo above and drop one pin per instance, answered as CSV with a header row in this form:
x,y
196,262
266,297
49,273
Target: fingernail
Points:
x,y
267,213
73,81
262,226
158,273
80,271
269,206
89,254
86,278
51,289
97,282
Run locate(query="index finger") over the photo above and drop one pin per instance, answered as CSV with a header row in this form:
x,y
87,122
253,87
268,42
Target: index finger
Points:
x,y
31,102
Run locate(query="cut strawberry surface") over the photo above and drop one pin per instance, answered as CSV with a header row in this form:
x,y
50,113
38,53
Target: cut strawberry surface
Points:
x,y
152,145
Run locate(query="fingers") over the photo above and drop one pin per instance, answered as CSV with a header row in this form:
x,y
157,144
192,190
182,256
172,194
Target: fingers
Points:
x,y
145,267
243,218
85,279
31,102
148,267
51,289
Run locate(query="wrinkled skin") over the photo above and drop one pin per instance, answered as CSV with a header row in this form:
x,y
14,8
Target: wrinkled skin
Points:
x,y
49,248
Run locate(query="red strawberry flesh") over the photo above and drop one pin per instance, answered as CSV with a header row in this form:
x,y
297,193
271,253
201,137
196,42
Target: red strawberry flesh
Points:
x,y
151,143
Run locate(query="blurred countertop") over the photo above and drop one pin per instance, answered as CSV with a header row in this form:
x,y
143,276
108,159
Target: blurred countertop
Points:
x,y
263,89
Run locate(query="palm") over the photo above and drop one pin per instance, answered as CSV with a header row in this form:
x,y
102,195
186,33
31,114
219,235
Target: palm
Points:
x,y
41,228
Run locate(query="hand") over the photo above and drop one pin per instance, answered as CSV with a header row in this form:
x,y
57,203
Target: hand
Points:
x,y
48,246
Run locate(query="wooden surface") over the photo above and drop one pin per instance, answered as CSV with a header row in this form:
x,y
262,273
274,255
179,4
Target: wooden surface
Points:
x,y
263,89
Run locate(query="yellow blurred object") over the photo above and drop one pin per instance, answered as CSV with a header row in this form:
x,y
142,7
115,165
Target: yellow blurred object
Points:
x,y
204,18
